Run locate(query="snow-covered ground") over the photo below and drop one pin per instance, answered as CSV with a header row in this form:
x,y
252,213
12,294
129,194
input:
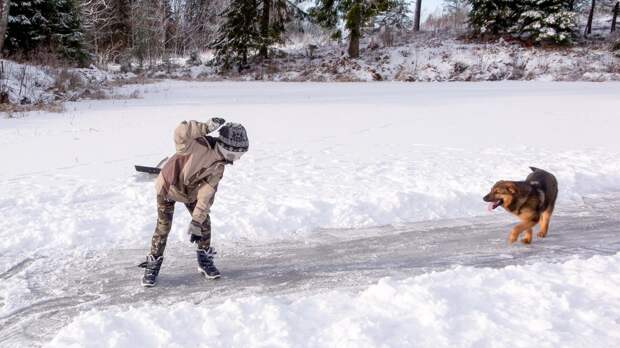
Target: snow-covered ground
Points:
x,y
574,304
426,57
330,163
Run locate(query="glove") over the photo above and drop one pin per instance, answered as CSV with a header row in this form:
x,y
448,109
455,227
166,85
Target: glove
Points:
x,y
195,232
215,123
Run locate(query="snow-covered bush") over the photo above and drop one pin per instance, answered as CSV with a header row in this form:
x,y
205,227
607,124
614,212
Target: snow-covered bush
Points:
x,y
533,20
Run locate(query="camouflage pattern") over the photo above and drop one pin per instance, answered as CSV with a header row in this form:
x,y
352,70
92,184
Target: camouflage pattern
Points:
x,y
165,211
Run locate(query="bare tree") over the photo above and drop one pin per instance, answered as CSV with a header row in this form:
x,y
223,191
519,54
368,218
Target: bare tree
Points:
x,y
615,16
588,30
418,13
4,15
148,34
108,27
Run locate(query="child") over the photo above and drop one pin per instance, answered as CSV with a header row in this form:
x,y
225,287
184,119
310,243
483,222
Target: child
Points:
x,y
191,176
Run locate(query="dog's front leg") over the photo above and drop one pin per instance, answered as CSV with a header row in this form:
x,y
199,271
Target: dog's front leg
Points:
x,y
528,236
520,227
544,223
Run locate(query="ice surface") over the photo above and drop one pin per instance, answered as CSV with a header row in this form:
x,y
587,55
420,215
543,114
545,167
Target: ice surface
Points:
x,y
322,156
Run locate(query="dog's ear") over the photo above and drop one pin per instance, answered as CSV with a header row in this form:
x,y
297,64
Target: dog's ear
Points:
x,y
512,188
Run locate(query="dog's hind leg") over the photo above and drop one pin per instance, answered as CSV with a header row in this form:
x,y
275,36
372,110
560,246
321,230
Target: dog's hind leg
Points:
x,y
527,239
545,219
520,227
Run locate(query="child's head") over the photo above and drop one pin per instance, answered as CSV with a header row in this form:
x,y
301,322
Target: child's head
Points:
x,y
233,141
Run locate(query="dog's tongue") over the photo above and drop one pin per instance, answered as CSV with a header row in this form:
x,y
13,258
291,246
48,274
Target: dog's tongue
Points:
x,y
491,206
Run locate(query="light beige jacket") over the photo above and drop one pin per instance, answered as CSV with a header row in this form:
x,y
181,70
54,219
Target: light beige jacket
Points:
x,y
194,171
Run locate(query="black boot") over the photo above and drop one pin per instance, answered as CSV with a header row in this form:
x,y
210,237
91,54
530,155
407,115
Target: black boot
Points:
x,y
205,263
151,270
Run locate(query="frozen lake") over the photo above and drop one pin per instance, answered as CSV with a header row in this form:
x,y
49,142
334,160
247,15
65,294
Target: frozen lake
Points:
x,y
344,185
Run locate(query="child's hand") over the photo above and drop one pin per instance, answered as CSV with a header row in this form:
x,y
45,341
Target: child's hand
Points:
x,y
195,232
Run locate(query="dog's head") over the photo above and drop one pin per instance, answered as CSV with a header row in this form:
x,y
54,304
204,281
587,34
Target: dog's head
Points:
x,y
502,193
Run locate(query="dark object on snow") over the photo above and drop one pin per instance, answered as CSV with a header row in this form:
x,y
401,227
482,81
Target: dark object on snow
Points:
x,y
151,270
205,263
151,170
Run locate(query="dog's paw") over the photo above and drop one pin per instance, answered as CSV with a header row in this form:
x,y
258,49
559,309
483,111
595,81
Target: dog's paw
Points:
x,y
512,239
542,234
526,240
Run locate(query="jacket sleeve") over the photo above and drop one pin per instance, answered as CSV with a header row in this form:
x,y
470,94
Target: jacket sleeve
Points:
x,y
206,196
187,131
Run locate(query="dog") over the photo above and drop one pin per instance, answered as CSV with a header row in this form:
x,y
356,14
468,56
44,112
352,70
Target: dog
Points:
x,y
532,201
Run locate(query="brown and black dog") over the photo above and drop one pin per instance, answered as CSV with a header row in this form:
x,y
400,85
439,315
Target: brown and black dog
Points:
x,y
531,201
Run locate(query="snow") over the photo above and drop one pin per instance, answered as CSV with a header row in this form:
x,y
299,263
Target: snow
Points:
x,y
571,304
344,184
27,84
322,156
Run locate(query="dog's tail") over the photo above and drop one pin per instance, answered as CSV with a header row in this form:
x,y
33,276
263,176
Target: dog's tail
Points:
x,y
534,169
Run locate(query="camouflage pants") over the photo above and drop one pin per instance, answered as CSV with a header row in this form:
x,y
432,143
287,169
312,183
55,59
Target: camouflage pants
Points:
x,y
165,210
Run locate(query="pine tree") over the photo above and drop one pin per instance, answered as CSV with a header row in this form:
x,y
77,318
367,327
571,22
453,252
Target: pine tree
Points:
x,y
354,13
492,17
545,20
46,25
239,36
532,20
274,14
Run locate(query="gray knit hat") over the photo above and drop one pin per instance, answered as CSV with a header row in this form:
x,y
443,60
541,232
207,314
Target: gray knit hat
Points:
x,y
234,137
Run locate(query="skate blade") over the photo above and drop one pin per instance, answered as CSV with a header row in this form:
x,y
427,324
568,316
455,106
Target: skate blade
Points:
x,y
147,285
208,276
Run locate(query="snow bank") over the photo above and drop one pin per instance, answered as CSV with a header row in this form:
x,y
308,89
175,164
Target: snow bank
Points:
x,y
426,58
322,156
25,84
573,304
30,84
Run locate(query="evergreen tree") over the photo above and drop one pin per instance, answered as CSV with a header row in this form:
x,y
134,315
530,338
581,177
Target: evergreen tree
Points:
x,y
51,25
492,17
533,20
274,14
239,36
545,20
354,13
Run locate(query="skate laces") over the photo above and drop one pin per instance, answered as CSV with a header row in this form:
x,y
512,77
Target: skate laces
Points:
x,y
205,258
151,264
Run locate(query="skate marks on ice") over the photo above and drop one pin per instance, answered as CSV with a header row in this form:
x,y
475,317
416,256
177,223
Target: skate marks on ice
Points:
x,y
59,288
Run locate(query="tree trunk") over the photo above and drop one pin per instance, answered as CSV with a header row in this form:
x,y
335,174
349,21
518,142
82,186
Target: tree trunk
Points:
x,y
615,17
354,23
4,16
418,12
264,28
590,19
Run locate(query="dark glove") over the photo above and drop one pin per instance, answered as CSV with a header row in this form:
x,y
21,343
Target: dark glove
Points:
x,y
215,123
195,232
